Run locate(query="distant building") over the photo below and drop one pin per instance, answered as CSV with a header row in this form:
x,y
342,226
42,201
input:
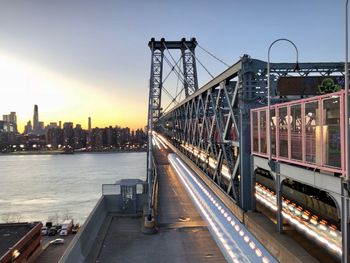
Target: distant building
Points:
x,y
54,137
36,120
52,125
89,132
80,137
5,118
20,242
28,128
68,134
10,121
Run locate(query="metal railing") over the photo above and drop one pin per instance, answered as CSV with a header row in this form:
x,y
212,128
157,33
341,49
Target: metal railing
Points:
x,y
154,190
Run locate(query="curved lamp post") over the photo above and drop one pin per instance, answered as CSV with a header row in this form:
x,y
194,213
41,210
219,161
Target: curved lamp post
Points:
x,y
269,88
271,163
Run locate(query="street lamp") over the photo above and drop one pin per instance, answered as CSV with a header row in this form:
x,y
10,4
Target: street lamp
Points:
x,y
271,163
296,67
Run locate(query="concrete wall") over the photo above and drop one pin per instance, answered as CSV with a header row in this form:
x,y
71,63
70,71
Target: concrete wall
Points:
x,y
80,246
280,246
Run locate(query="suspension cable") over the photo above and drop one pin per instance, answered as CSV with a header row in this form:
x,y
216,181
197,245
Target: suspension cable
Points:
x,y
177,81
175,62
171,65
211,54
172,69
199,61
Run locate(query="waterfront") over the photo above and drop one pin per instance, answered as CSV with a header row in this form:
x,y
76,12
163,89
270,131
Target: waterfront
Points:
x,y
51,187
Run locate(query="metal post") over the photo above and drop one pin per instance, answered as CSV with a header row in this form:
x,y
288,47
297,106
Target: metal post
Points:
x,y
345,202
279,201
269,92
273,165
149,152
346,67
345,227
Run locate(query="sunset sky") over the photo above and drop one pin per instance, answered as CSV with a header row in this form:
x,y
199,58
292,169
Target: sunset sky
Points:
x,y
77,59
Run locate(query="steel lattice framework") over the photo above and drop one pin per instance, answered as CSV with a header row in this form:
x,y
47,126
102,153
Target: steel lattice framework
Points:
x,y
212,126
188,74
189,70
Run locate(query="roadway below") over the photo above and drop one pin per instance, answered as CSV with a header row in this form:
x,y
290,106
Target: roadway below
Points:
x,y
290,246
52,253
182,234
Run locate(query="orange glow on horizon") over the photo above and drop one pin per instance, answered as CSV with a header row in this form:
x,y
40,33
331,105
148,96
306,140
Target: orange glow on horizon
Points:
x,y
61,98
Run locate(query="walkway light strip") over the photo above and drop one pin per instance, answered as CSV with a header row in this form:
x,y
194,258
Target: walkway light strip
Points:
x,y
235,241
322,233
159,140
212,162
155,142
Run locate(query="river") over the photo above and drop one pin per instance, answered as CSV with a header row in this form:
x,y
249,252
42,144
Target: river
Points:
x,y
54,187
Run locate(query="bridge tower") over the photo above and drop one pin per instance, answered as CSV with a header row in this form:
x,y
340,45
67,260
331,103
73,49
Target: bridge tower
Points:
x,y
188,72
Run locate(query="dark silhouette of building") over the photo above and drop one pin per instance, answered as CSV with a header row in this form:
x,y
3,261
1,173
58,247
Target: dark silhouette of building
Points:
x,y
36,126
54,137
80,137
68,135
28,128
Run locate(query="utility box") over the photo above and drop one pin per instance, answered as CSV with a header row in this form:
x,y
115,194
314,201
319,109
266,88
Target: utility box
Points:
x,y
126,196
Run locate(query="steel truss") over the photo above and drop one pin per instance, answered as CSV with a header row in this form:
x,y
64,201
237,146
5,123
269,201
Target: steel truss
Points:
x,y
212,126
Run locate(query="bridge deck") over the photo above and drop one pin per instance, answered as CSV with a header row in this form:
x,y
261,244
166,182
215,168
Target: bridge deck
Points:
x,y
182,235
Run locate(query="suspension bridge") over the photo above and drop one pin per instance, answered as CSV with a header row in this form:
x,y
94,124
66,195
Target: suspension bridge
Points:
x,y
250,167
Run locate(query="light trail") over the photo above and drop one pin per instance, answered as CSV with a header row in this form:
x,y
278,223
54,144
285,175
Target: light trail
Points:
x,y
324,234
159,140
234,240
155,142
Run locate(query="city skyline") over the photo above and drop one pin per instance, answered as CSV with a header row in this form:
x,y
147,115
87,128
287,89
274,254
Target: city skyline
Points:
x,y
38,126
65,137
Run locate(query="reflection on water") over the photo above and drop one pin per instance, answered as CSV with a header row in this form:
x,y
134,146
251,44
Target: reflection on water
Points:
x,y
51,187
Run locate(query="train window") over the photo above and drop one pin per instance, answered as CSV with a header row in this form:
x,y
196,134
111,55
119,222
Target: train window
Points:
x,y
255,132
273,131
263,143
296,132
283,132
312,133
331,132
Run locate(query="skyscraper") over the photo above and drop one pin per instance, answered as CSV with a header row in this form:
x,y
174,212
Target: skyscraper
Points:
x,y
5,118
36,127
11,121
89,132
28,128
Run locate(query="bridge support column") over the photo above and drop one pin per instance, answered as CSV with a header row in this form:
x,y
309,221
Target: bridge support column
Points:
x,y
246,178
345,224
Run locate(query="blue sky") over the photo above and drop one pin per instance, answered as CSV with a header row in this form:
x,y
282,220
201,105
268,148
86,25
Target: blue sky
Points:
x,y
102,45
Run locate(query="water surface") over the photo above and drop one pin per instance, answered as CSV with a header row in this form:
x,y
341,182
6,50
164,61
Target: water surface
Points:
x,y
52,187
